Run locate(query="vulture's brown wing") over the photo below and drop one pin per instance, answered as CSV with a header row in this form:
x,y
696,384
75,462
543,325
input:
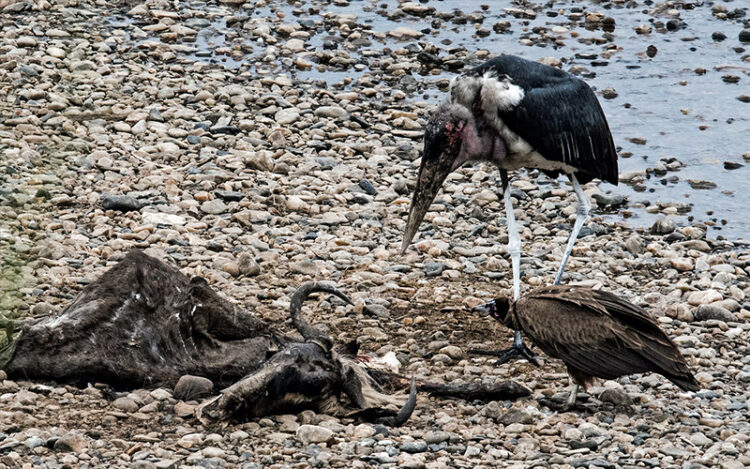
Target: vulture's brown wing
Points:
x,y
600,334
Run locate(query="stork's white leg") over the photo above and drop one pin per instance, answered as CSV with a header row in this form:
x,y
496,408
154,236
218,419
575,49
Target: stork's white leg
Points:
x,y
582,213
514,239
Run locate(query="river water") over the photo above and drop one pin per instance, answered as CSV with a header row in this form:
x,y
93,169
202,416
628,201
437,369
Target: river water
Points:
x,y
678,101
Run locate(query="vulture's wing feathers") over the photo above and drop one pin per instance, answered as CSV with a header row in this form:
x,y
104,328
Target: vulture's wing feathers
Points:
x,y
600,334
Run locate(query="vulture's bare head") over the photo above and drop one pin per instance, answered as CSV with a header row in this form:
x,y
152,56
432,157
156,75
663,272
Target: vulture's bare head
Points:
x,y
444,152
497,308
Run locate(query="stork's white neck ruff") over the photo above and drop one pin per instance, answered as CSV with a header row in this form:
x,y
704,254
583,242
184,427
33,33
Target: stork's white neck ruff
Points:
x,y
486,97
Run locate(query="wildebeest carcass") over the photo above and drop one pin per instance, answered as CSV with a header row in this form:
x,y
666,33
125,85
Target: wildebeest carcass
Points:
x,y
145,324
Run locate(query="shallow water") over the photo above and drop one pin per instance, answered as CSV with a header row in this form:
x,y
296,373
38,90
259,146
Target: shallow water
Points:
x,y
681,114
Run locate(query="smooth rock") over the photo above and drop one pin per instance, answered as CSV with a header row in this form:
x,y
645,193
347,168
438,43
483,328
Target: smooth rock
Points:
x,y
190,387
313,434
72,441
122,203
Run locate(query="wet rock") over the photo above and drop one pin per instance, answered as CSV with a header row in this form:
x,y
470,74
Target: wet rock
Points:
x,y
730,165
701,184
416,9
403,32
122,203
604,200
744,36
190,387
609,93
663,225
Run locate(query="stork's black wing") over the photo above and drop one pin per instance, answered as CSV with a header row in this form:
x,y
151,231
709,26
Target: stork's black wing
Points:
x,y
559,116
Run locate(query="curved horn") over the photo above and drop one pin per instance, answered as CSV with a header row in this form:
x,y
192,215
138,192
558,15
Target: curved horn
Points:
x,y
309,332
406,411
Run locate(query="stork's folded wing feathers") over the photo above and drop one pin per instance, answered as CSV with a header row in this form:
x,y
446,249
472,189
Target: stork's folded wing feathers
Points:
x,y
559,116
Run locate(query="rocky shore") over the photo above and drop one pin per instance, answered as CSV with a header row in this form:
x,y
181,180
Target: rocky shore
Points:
x,y
118,129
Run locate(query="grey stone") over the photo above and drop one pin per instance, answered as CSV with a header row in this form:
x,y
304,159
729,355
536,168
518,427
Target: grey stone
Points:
x,y
516,416
330,111
313,434
435,437
125,404
433,269
191,387
706,312
663,225
122,203
604,200
214,207
72,442
418,446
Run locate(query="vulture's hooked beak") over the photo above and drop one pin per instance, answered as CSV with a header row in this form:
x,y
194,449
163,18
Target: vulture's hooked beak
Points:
x,y
486,308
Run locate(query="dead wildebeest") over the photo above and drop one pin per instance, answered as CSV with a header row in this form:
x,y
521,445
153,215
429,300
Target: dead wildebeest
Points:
x,y
145,324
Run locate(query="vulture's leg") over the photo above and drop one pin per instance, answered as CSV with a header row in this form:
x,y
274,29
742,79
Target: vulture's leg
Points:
x,y
518,349
571,402
582,213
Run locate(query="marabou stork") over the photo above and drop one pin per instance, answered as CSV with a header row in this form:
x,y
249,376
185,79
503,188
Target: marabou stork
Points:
x,y
595,333
516,113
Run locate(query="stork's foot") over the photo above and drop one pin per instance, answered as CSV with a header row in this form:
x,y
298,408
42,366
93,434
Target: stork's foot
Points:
x,y
519,350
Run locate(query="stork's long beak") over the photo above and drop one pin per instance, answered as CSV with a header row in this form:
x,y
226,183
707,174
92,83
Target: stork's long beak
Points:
x,y
431,177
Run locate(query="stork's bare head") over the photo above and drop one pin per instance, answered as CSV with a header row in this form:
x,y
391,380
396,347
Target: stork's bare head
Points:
x,y
497,308
443,140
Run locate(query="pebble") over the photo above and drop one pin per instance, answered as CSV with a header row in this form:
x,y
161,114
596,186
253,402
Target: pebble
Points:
x,y
214,207
330,111
432,269
704,297
663,225
125,404
72,441
706,312
308,434
121,203
435,437
190,387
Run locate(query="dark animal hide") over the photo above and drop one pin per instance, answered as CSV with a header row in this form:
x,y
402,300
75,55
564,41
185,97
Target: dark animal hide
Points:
x,y
144,324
